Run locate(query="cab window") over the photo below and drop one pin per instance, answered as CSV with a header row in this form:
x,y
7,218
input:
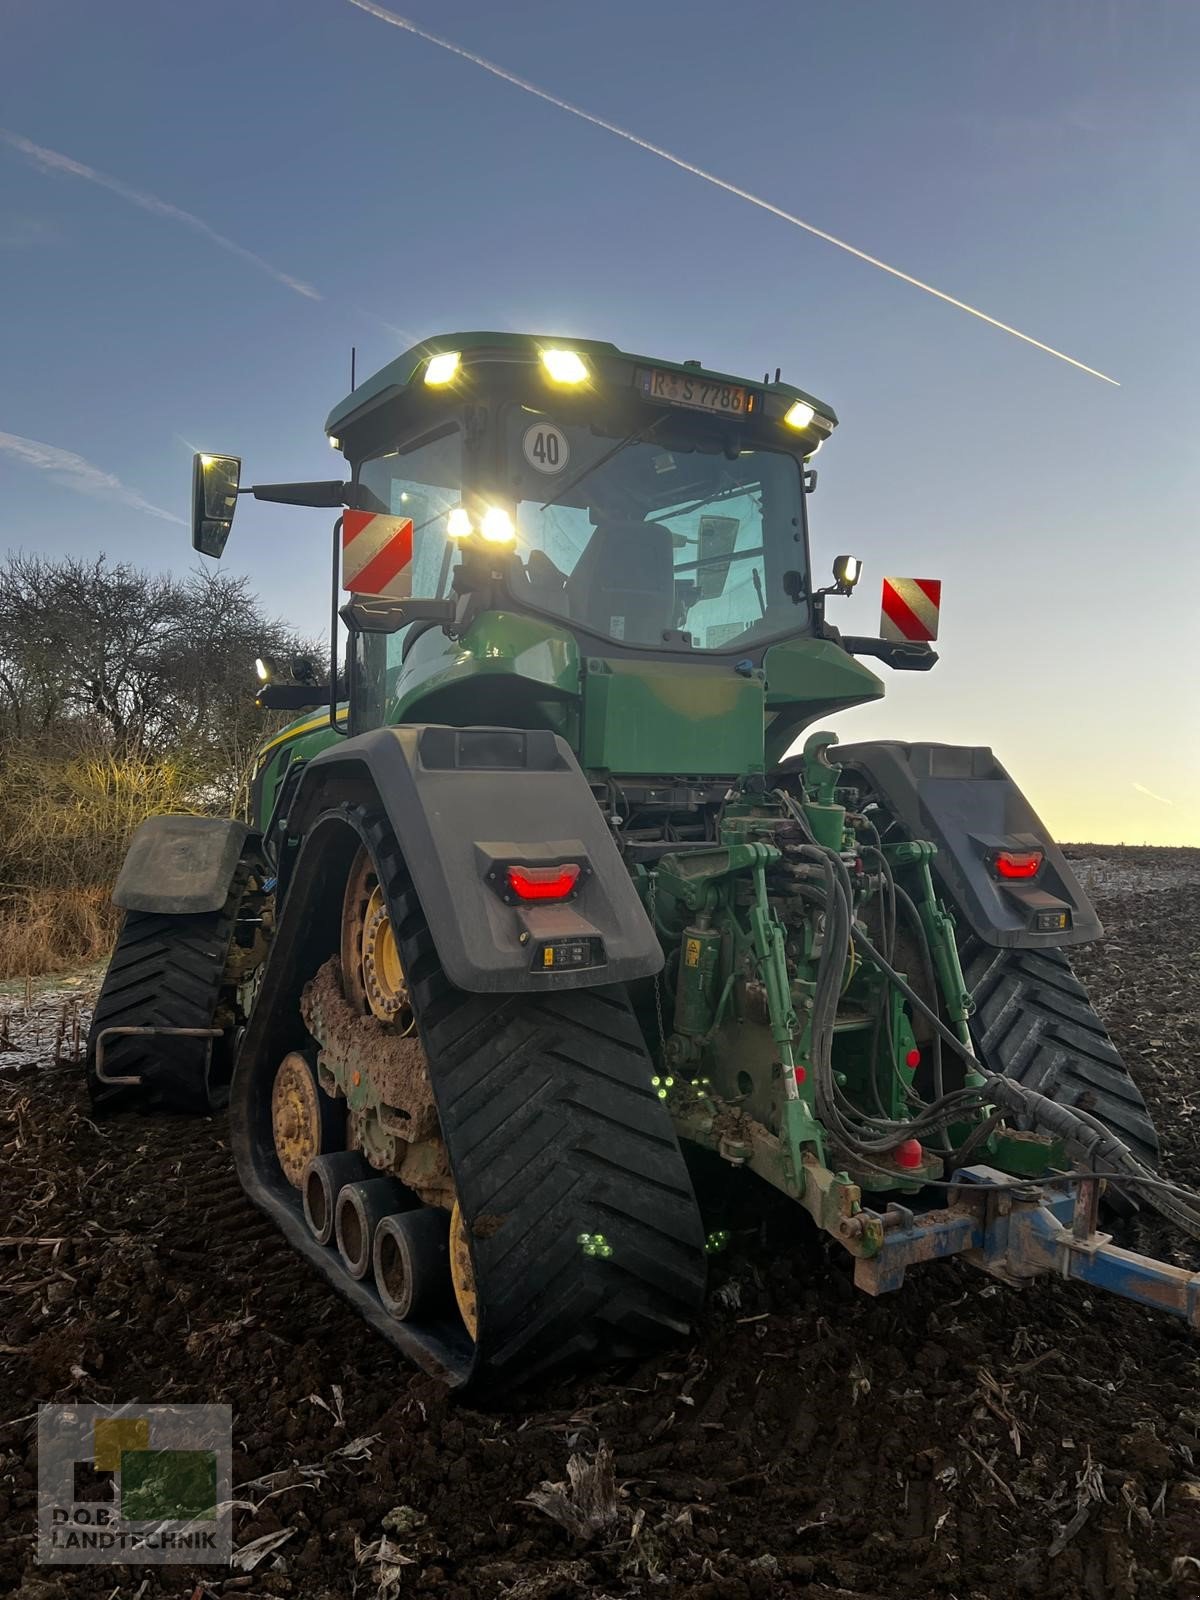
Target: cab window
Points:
x,y
421,480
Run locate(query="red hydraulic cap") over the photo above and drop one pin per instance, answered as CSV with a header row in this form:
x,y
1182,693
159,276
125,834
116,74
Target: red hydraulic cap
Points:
x,y
909,1154
913,1058
800,1074
1017,864
543,883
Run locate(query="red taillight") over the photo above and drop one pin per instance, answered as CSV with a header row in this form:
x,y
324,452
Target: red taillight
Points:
x,y
1017,864
543,883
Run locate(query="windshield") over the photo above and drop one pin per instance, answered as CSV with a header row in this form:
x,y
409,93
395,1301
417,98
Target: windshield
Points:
x,y
645,539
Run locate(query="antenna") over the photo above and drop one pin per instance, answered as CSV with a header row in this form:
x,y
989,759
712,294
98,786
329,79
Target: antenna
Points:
x,y
353,354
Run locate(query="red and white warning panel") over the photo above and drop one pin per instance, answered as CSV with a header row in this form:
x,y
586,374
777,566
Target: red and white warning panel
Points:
x,y
377,553
910,609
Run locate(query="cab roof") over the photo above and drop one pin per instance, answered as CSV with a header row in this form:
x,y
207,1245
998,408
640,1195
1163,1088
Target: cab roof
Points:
x,y
391,380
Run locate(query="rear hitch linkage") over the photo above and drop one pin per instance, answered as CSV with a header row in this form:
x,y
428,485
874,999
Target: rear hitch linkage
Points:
x,y
1019,1232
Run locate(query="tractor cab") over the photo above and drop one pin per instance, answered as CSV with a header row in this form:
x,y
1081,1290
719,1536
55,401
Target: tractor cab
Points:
x,y
647,507
614,508
547,533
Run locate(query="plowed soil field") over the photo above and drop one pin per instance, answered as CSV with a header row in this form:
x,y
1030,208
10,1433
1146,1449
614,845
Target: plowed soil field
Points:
x,y
956,1441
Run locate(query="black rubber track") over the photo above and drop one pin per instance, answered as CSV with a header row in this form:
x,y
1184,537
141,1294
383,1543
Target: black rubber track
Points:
x,y
1035,1023
165,972
553,1131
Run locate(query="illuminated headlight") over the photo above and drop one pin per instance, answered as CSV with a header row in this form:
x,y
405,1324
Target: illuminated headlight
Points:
x,y
458,524
442,368
334,443
847,570
497,526
799,414
564,366
263,669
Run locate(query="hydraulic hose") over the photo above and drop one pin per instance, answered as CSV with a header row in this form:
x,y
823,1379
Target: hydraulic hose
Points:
x,y
1084,1135
1102,1152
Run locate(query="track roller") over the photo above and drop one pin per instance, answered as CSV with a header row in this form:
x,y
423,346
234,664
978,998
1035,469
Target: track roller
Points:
x,y
324,1178
357,1212
412,1262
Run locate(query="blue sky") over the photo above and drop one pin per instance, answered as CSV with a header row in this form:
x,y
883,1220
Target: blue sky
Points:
x,y
1040,162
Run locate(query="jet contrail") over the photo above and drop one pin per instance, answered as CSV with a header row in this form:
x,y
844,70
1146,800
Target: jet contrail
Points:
x,y
1161,798
54,161
84,477
709,177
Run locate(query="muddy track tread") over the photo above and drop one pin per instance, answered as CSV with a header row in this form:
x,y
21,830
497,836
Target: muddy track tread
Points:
x,y
1035,1023
164,972
528,1147
528,1089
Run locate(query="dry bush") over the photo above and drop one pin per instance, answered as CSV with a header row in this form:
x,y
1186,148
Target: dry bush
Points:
x,y
55,930
66,816
123,694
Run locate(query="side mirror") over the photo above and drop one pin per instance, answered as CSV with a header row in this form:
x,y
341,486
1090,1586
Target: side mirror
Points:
x,y
795,586
215,481
306,669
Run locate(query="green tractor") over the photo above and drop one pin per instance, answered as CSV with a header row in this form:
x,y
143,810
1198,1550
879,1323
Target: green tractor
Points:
x,y
535,899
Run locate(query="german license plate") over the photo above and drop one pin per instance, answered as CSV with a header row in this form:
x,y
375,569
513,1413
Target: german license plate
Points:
x,y
702,394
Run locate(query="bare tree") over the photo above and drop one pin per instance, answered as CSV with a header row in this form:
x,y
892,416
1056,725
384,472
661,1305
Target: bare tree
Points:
x,y
151,666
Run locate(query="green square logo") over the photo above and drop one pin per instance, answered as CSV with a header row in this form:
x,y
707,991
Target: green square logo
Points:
x,y
168,1485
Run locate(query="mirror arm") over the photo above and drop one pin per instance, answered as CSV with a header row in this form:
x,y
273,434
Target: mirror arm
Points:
x,y
899,654
296,696
327,494
372,614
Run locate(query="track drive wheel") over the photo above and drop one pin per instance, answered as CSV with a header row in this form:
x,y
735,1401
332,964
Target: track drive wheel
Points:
x,y
541,1104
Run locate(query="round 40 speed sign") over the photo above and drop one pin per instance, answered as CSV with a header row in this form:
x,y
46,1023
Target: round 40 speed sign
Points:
x,y
547,448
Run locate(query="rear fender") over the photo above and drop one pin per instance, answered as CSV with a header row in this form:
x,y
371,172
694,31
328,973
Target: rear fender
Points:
x,y
465,802
961,798
180,866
